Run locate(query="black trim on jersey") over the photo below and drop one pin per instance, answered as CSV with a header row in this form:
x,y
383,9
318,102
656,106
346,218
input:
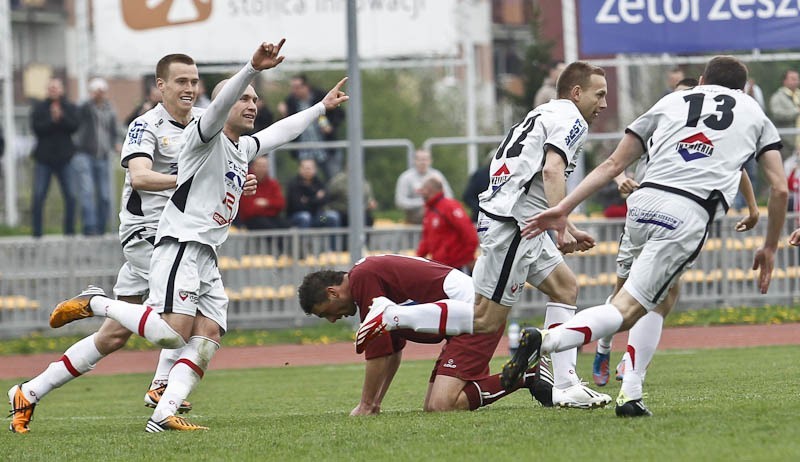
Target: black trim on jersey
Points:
x,y
170,294
134,204
548,146
138,233
709,204
505,271
641,140
178,124
496,217
691,258
127,158
181,194
776,146
258,143
200,132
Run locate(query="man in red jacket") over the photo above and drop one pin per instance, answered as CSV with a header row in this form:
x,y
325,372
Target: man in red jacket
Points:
x,y
263,209
448,235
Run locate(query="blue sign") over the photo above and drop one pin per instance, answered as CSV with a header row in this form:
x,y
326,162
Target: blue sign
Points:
x,y
687,26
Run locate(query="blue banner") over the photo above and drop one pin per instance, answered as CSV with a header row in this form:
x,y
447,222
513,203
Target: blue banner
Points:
x,y
686,26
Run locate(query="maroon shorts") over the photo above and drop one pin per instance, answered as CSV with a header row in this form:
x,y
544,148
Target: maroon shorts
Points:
x,y
467,357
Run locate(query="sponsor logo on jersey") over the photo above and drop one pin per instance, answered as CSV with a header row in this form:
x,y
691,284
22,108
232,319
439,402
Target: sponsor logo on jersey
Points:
x,y
136,132
450,364
235,177
186,294
164,141
654,217
499,177
152,14
220,219
695,147
577,130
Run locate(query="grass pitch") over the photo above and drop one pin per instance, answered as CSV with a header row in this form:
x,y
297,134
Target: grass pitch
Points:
x,y
736,404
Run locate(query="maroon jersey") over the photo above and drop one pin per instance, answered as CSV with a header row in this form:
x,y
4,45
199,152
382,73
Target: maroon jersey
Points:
x,y
403,280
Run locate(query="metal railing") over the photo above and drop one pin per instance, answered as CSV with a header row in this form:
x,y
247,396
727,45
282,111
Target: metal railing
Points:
x,y
261,271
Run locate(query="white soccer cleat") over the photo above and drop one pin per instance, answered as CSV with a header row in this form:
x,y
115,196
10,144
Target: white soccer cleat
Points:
x,y
373,324
579,396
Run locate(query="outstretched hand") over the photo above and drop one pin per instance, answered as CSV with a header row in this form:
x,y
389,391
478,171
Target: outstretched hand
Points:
x,y
551,218
336,96
267,56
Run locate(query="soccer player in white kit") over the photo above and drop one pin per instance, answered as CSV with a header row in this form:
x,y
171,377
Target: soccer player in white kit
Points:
x,y
698,142
527,175
150,155
186,297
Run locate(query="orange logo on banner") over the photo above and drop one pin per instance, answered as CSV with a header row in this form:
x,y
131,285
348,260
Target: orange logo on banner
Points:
x,y
151,14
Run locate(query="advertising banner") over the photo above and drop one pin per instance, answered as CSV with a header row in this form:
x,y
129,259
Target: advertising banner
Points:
x,y
136,33
687,26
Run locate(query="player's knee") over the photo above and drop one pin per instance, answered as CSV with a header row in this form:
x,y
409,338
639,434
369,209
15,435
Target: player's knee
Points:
x,y
441,404
203,348
166,337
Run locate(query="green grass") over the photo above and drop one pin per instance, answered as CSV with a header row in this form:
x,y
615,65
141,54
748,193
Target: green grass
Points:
x,y
736,404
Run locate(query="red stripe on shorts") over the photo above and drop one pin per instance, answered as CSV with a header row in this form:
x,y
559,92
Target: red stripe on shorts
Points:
x,y
442,319
70,368
191,365
143,321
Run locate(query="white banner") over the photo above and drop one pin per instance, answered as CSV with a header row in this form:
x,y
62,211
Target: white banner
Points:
x,y
134,34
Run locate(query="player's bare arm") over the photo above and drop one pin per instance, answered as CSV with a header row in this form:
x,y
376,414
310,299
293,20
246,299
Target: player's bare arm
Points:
x,y
378,375
555,188
628,151
143,178
764,260
794,238
746,188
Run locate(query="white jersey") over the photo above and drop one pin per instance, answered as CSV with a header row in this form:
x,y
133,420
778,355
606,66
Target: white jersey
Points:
x,y
212,169
158,136
699,139
516,187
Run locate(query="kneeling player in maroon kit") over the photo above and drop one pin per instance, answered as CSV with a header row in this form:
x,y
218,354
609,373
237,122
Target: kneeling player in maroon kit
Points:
x,y
460,379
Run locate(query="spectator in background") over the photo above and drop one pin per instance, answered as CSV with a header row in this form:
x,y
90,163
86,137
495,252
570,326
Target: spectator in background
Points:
x,y
263,209
755,92
97,137
406,192
302,96
674,77
785,108
478,182
54,121
202,98
152,99
448,235
548,89
264,117
307,199
338,199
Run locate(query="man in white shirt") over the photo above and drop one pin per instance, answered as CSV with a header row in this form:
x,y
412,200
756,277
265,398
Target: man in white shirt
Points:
x,y
406,193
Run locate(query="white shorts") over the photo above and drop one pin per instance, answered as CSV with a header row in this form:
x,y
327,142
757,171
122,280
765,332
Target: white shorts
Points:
x,y
507,260
624,255
184,279
458,286
133,277
667,232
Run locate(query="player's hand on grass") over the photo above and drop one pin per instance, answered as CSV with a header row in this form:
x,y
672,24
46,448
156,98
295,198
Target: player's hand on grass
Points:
x,y
336,96
764,261
794,238
250,185
267,56
364,409
747,223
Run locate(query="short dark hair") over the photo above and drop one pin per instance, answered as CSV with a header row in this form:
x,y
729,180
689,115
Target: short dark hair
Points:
x,y
162,68
786,74
688,82
577,73
301,77
726,71
312,290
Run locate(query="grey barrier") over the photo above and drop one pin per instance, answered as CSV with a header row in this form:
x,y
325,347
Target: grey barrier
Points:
x,y
262,270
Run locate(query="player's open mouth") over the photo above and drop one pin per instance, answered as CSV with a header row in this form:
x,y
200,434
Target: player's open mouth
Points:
x,y
249,116
187,99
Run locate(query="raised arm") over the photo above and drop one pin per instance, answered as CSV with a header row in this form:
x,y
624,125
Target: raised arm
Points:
x,y
212,121
291,127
